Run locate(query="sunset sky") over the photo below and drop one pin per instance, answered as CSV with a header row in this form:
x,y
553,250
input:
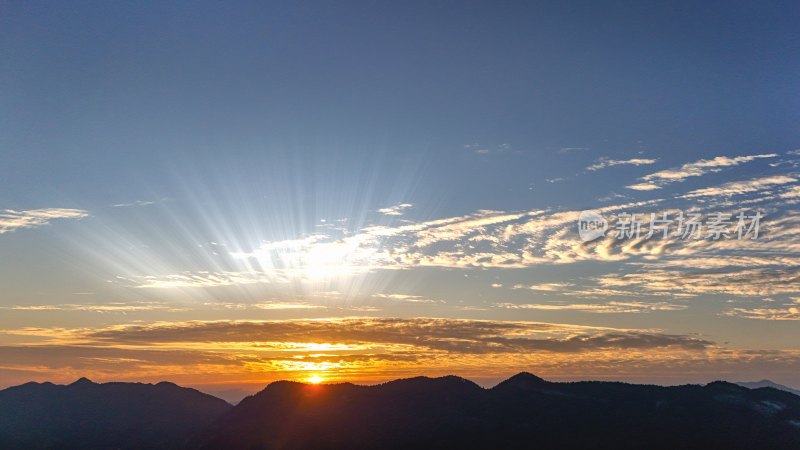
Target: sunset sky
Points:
x,y
223,194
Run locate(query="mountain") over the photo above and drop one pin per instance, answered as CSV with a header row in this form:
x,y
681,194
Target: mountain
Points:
x,y
767,383
524,411
87,415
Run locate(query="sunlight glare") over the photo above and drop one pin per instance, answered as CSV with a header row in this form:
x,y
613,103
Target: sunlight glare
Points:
x,y
315,379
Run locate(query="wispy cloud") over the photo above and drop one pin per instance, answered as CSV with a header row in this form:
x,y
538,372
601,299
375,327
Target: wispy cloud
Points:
x,y
135,203
263,306
741,187
197,279
597,308
396,210
406,298
11,220
753,282
694,169
111,307
792,193
546,287
787,313
602,163
644,186
479,149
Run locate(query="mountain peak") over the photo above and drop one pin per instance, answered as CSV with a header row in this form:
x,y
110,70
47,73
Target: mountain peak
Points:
x,y
522,380
454,379
767,384
526,376
82,381
422,382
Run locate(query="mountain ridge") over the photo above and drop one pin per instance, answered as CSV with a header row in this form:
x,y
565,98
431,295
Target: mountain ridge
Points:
x,y
90,415
523,411
452,412
767,384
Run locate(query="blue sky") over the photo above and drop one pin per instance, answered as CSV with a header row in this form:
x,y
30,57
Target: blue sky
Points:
x,y
174,162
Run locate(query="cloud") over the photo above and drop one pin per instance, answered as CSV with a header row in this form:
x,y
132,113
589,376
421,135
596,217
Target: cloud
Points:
x,y
406,298
432,334
655,270
546,287
201,279
264,306
754,282
725,262
486,239
788,313
11,220
793,192
694,169
135,203
396,210
598,308
741,187
604,162
116,307
644,187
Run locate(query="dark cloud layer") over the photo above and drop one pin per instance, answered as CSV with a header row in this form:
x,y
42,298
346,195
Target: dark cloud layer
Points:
x,y
459,336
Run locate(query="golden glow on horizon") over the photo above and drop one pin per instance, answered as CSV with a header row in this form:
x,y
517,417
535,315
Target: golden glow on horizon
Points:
x,y
369,350
315,379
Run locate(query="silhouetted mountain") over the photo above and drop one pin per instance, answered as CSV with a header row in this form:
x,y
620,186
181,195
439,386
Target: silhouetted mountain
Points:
x,y
86,415
767,384
521,412
524,411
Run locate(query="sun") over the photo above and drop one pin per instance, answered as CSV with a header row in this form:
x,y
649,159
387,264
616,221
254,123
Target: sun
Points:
x,y
315,379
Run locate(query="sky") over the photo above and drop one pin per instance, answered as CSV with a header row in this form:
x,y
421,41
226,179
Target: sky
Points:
x,y
228,194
